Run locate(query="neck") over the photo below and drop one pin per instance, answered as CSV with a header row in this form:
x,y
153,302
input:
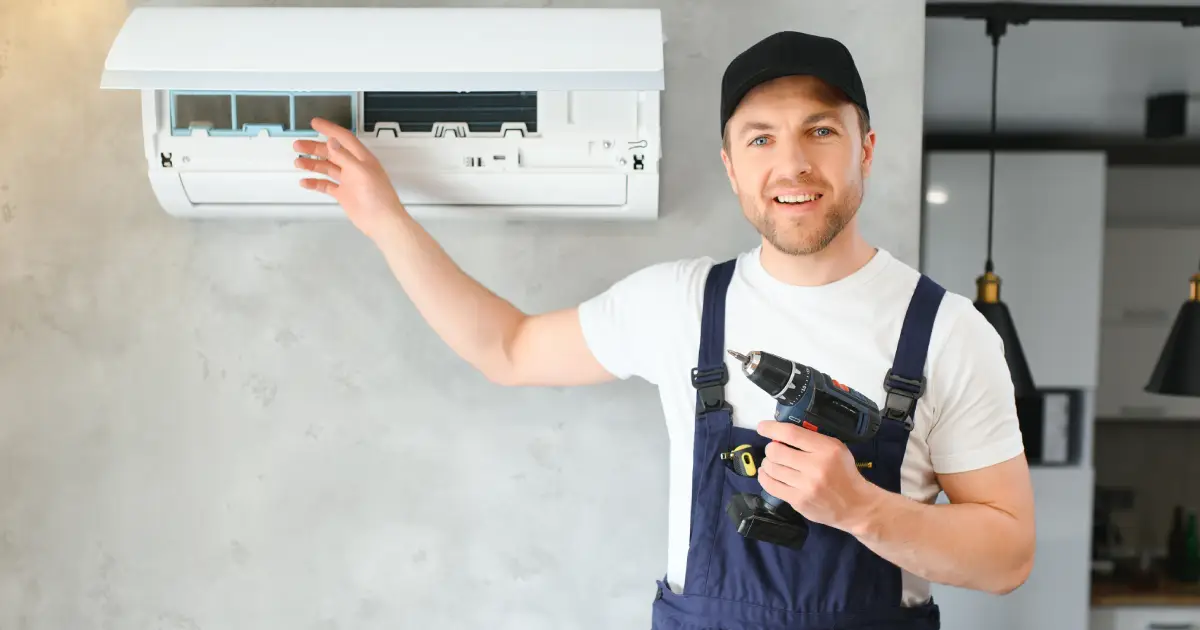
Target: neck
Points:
x,y
848,253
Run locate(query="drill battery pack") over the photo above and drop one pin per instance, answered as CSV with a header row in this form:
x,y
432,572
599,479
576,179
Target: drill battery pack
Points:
x,y
783,526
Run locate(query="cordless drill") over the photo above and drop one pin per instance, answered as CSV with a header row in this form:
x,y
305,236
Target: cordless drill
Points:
x,y
814,401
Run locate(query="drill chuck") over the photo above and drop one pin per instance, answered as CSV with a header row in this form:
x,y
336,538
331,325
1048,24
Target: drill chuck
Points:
x,y
782,379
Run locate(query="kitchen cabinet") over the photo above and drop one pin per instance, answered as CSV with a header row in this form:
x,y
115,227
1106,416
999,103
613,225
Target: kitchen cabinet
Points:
x,y
1145,618
1047,246
1146,273
1127,357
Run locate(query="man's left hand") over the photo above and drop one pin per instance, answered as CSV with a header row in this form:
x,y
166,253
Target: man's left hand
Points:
x,y
815,474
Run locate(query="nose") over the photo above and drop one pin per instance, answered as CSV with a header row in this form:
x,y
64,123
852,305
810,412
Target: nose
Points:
x,y
794,159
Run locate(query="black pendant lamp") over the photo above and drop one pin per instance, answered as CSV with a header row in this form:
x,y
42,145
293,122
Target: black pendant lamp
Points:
x,y
1178,369
987,299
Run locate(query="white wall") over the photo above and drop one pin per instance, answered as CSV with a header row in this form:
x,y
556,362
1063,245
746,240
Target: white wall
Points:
x,y
248,426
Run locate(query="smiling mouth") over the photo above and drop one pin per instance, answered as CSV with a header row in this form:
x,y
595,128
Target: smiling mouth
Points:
x,y
797,200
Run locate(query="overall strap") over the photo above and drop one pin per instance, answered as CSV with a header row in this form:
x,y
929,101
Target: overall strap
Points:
x,y
710,376
905,382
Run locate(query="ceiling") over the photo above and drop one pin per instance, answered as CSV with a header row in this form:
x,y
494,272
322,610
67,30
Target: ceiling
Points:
x,y
1059,77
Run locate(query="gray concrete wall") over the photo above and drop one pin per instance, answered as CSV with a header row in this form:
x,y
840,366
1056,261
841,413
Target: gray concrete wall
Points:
x,y
237,426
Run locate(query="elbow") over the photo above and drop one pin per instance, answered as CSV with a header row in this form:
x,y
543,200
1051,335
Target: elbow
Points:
x,y
501,374
1011,582
504,370
503,379
501,366
1019,572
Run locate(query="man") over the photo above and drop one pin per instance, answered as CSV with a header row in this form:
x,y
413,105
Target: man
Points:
x,y
797,147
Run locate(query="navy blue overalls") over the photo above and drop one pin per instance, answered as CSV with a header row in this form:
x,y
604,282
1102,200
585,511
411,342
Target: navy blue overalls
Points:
x,y
834,581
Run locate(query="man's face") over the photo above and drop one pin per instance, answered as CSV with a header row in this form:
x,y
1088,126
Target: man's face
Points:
x,y
796,159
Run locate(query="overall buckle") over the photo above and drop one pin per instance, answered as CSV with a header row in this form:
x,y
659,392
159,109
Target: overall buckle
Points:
x,y
902,396
710,385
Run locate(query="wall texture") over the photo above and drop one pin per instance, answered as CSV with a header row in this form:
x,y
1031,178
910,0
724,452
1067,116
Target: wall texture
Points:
x,y
235,426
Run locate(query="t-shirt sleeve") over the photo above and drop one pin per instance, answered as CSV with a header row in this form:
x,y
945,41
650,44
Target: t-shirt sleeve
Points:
x,y
975,425
627,326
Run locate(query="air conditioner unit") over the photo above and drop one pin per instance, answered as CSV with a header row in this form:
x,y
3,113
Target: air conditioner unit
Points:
x,y
474,112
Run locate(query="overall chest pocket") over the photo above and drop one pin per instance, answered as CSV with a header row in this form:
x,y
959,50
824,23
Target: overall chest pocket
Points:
x,y
880,458
830,572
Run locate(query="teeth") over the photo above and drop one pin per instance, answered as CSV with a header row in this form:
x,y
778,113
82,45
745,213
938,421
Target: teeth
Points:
x,y
796,198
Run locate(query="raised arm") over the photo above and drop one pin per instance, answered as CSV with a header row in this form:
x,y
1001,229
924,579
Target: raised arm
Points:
x,y
508,346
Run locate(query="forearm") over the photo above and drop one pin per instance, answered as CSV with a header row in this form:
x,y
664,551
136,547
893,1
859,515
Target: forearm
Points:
x,y
477,324
967,545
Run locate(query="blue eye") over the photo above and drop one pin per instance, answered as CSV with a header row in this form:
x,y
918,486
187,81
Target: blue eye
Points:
x,y
826,129
763,138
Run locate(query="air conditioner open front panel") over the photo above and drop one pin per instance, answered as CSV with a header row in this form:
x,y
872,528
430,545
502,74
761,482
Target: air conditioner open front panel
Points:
x,y
379,49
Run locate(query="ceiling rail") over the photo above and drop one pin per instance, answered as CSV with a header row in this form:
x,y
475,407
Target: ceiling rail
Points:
x,y
1121,150
1024,12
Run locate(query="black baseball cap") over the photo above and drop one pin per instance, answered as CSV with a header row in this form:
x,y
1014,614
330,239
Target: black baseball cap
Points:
x,y
789,53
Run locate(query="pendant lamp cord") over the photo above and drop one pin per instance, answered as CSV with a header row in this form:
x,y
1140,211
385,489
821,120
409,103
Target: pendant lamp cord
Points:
x,y
995,29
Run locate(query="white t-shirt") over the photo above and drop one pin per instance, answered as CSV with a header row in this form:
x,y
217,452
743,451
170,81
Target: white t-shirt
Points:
x,y
648,325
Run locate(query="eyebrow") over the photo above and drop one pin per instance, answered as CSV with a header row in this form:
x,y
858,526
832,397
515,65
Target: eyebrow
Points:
x,y
756,125
819,116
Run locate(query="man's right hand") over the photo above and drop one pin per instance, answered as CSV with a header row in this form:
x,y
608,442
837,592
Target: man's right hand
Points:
x,y
360,185
506,345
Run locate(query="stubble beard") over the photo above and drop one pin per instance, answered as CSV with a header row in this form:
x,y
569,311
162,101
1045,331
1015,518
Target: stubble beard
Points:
x,y
800,236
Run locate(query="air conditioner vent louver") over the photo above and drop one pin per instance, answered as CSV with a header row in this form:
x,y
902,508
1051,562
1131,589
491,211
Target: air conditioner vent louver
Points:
x,y
484,112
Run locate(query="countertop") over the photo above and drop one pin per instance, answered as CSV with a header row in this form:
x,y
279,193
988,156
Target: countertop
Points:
x,y
1147,591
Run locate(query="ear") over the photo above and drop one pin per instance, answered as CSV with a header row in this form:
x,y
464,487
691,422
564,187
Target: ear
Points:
x,y
729,170
868,146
